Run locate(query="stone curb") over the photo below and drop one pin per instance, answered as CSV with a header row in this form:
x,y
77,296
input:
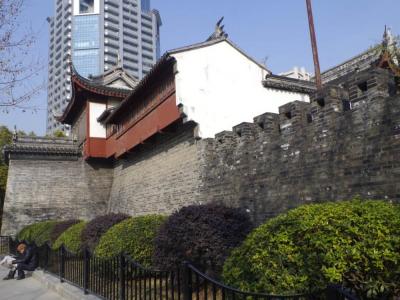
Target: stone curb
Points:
x,y
65,290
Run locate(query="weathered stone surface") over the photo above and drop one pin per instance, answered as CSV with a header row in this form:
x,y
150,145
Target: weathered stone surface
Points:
x,y
319,154
46,189
159,177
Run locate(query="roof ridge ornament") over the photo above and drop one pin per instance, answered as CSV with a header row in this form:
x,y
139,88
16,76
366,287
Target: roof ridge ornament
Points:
x,y
390,55
219,31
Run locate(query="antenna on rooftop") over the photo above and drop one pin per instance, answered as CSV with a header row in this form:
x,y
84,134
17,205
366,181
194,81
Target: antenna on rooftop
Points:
x,y
15,134
265,60
119,60
317,68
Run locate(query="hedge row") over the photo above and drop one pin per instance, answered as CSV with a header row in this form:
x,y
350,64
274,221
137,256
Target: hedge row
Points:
x,y
71,238
93,231
201,234
133,236
45,231
355,243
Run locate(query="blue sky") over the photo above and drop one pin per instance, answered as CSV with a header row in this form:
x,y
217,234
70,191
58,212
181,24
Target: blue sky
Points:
x,y
263,28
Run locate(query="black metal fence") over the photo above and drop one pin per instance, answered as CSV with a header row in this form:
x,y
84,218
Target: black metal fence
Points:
x,y
122,278
5,244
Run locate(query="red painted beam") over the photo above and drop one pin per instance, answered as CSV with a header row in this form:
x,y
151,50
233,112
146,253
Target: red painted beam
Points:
x,y
161,117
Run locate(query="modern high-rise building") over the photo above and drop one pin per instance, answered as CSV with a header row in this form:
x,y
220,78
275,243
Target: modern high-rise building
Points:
x,y
97,35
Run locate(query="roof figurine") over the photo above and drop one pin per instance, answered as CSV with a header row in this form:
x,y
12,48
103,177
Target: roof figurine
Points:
x,y
388,38
219,31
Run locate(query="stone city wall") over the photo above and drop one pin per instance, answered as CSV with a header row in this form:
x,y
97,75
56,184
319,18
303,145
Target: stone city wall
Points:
x,y
159,177
311,152
54,189
346,142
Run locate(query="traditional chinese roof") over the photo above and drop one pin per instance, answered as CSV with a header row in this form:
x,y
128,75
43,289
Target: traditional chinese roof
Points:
x,y
360,62
378,55
165,63
102,84
388,62
289,84
113,83
390,57
116,77
213,41
42,146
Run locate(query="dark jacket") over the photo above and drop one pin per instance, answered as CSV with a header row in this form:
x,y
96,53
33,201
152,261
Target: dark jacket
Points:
x,y
29,257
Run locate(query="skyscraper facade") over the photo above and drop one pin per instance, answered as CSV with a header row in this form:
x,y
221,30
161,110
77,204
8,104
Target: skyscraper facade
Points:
x,y
97,35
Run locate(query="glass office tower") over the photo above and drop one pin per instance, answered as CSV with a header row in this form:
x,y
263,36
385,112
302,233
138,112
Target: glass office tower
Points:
x,y
94,34
86,44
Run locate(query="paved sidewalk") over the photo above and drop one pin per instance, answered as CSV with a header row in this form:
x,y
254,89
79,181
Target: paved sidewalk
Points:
x,y
27,289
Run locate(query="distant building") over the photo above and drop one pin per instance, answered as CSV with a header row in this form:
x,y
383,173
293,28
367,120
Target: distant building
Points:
x,y
97,34
297,73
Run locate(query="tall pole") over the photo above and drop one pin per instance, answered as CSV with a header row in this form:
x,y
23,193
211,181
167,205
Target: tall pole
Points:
x,y
317,68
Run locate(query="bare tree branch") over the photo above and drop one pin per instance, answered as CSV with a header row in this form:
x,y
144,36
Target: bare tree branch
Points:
x,y
18,84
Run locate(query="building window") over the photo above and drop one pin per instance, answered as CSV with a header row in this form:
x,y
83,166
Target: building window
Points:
x,y
86,6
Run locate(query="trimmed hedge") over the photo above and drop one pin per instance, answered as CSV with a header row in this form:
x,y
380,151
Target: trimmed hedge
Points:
x,y
71,238
60,227
201,234
356,243
97,227
134,236
38,232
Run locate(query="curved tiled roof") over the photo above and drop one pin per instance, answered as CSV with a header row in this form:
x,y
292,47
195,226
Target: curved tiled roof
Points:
x,y
42,146
95,86
164,62
289,84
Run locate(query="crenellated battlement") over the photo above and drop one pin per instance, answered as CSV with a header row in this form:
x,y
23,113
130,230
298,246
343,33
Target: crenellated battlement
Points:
x,y
340,144
325,108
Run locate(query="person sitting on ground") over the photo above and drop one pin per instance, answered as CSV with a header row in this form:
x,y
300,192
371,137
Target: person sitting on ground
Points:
x,y
8,261
28,261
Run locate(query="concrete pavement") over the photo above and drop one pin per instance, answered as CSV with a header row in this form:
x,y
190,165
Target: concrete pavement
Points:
x,y
27,289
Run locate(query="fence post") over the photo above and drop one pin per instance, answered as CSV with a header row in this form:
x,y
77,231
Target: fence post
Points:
x,y
62,263
46,253
187,282
330,293
86,270
10,250
122,283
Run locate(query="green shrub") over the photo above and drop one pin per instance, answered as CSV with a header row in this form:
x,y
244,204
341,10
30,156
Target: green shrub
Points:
x,y
71,238
97,227
353,242
60,227
38,232
134,236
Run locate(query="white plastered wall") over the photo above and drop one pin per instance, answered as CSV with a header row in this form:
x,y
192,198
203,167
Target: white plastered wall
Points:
x,y
97,130
219,87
